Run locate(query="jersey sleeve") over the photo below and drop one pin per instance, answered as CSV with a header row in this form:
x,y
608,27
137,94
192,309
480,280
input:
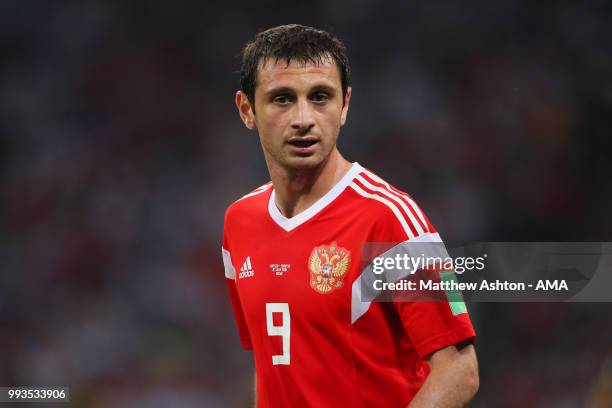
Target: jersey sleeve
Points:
x,y
430,325
230,280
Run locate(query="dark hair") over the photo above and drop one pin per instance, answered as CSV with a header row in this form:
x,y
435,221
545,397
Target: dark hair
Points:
x,y
291,42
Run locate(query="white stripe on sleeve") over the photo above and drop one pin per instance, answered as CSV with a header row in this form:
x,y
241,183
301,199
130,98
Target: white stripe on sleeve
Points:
x,y
230,272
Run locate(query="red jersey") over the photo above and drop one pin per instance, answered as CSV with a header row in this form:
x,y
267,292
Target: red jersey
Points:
x,y
293,283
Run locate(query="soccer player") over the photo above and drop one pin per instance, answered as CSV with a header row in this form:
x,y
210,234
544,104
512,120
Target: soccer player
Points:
x,y
292,250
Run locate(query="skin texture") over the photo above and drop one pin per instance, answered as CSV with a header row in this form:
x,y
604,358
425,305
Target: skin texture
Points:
x,y
301,101
304,101
453,380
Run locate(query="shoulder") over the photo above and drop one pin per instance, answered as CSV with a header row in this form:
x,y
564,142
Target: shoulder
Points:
x,y
249,204
390,208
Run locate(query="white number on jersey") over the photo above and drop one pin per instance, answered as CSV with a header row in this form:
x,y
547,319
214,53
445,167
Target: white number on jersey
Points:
x,y
283,330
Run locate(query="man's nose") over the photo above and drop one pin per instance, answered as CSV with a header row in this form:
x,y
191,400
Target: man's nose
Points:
x,y
303,119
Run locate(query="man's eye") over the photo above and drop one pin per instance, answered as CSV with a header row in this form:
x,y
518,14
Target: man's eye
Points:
x,y
281,99
320,97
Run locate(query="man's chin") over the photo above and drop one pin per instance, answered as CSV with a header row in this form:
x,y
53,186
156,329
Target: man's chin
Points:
x,y
297,163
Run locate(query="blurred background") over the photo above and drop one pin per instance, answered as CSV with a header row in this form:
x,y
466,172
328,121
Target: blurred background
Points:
x,y
120,148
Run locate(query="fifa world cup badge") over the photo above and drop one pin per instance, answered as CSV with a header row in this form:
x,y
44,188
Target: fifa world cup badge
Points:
x,y
328,265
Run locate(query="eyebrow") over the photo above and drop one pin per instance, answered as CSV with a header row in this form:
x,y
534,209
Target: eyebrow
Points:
x,y
279,90
324,87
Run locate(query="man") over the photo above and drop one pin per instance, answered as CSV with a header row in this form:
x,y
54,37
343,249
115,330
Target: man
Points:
x,y
292,250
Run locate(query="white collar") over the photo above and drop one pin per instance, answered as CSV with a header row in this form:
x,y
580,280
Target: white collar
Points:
x,y
289,224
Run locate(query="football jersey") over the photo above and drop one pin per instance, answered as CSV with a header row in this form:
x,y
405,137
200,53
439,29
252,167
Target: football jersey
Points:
x,y
293,284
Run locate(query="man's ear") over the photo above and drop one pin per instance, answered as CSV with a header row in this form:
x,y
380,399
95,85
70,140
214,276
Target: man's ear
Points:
x,y
345,108
245,110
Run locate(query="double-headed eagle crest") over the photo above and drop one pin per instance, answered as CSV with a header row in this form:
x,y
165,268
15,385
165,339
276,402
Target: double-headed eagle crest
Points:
x,y
328,264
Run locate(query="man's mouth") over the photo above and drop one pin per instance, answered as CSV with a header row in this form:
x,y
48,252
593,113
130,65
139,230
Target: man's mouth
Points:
x,y
305,142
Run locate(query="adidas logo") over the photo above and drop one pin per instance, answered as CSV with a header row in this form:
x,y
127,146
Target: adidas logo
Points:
x,y
246,271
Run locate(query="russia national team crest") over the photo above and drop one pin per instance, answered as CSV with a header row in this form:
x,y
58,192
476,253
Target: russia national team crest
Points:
x,y
328,265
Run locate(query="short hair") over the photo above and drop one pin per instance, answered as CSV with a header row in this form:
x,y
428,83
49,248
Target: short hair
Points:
x,y
291,42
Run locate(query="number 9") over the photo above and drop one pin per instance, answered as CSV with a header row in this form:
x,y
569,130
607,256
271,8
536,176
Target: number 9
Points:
x,y
283,330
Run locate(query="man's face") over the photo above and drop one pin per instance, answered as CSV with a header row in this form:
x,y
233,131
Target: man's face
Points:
x,y
299,111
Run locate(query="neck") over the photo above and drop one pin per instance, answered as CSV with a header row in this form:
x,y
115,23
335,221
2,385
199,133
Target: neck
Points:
x,y
296,190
